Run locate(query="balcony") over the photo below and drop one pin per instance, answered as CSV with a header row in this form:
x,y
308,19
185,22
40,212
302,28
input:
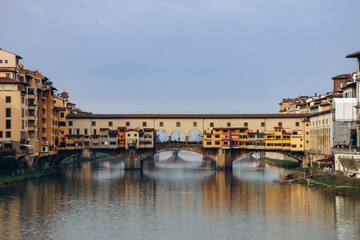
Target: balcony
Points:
x,y
31,128
31,117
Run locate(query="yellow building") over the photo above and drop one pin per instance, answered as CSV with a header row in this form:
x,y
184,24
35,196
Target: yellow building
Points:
x,y
279,139
26,106
132,139
212,139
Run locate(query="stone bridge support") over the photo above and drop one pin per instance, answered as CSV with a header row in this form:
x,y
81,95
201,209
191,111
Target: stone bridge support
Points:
x,y
224,157
132,158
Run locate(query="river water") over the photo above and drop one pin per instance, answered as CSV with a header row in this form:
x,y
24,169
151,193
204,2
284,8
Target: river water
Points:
x,y
173,198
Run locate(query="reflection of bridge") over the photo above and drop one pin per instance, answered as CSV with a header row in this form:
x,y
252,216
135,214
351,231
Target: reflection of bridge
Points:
x,y
223,158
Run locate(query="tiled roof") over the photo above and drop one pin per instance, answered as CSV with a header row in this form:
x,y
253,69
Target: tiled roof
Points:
x,y
354,55
343,76
11,80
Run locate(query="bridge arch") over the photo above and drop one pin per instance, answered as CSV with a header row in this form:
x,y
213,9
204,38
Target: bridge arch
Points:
x,y
178,135
161,136
194,136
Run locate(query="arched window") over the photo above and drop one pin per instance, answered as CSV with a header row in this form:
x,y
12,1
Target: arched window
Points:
x,y
62,115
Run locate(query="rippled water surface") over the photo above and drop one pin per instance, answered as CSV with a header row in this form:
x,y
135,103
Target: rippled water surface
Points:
x,y
173,198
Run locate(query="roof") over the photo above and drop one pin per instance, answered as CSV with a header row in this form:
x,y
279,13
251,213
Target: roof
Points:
x,y
184,116
11,80
229,128
349,85
343,76
11,53
354,55
320,113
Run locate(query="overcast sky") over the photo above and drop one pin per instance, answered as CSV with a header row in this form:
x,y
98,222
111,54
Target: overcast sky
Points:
x,y
184,56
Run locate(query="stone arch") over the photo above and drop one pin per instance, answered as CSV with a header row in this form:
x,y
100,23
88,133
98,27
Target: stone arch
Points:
x,y
194,136
161,136
178,135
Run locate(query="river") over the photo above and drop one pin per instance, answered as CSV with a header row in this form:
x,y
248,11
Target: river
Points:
x,y
173,198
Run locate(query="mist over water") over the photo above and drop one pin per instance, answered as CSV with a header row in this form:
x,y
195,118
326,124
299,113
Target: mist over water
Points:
x,y
174,197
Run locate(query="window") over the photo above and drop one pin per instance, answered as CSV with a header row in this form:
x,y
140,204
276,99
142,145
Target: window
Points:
x,y
1,61
307,124
94,131
208,143
229,124
128,134
144,124
1,134
77,131
245,124
211,124
8,75
6,61
128,124
161,124
8,134
297,124
8,87
8,112
307,133
93,123
178,124
70,123
70,131
263,124
8,124
110,124
22,124
217,143
62,115
8,99
280,124
135,135
85,131
194,124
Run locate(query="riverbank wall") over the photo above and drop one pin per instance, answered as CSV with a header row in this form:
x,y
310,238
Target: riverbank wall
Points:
x,y
21,164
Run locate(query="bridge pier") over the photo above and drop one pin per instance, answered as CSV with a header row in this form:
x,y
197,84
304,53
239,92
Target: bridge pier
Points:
x,y
222,158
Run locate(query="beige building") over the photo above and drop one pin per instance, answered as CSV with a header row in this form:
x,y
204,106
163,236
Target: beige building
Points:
x,y
320,133
145,126
26,109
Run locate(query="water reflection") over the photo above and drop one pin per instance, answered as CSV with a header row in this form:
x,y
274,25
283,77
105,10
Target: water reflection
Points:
x,y
172,198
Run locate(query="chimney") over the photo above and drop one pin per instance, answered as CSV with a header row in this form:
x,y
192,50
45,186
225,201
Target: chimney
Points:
x,y
315,94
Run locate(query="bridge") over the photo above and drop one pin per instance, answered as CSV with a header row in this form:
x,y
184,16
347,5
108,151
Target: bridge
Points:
x,y
222,158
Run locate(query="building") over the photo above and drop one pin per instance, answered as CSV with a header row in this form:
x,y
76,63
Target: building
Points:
x,y
341,81
132,139
27,106
278,139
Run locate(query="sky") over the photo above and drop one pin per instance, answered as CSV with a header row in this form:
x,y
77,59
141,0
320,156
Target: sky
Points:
x,y
189,56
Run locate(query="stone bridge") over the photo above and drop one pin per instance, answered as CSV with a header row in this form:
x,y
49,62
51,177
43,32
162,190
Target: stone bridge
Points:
x,y
223,158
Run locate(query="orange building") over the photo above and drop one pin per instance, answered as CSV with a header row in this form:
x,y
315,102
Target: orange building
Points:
x,y
121,136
